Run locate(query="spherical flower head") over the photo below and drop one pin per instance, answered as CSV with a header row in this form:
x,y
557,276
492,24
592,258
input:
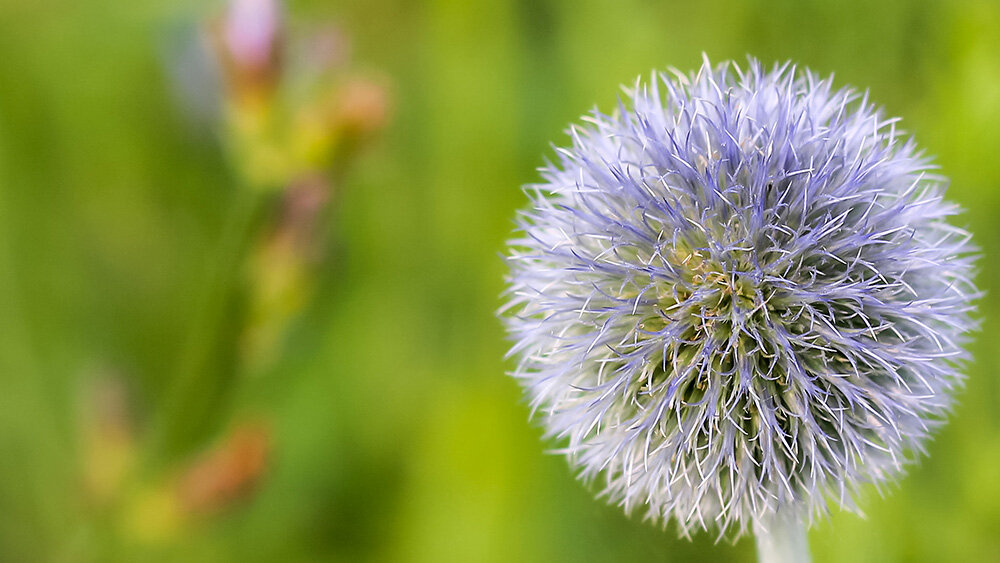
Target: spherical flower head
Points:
x,y
737,294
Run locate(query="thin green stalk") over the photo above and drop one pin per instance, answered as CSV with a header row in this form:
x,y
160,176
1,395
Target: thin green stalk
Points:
x,y
182,409
782,539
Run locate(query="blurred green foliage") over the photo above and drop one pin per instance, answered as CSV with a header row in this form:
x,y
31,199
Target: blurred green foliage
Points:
x,y
395,435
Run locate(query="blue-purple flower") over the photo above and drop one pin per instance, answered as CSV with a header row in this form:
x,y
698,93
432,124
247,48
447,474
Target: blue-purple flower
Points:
x,y
739,293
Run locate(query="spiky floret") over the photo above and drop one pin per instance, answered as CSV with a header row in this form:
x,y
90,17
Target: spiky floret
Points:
x,y
739,292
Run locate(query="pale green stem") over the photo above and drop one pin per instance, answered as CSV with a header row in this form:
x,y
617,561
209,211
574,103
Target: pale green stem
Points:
x,y
782,539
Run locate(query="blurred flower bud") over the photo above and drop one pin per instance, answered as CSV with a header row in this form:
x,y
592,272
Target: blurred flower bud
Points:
x,y
249,38
250,31
362,108
227,472
329,131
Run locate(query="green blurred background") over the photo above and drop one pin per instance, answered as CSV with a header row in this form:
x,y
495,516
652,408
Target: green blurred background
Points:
x,y
391,432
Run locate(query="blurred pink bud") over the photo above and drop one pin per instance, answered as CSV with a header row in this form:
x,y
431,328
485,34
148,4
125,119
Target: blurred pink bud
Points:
x,y
248,40
250,30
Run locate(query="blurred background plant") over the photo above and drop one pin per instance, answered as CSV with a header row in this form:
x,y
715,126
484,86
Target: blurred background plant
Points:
x,y
236,329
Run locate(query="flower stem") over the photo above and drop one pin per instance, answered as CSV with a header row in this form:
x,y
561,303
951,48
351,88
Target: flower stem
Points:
x,y
187,400
782,539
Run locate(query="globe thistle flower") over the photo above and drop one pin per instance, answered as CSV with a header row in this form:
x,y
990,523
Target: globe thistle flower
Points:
x,y
737,296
